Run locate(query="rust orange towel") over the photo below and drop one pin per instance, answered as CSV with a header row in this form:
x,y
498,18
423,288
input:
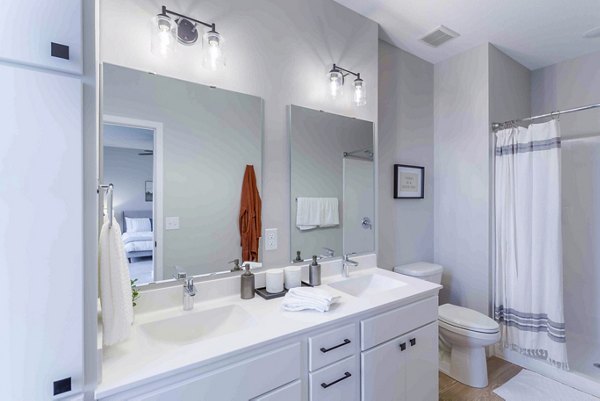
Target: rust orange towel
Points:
x,y
250,216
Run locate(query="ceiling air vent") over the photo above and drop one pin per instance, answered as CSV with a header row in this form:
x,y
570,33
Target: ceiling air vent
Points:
x,y
439,36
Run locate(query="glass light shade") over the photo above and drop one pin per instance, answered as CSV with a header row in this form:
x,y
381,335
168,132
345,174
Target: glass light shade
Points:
x,y
360,92
213,47
163,35
336,83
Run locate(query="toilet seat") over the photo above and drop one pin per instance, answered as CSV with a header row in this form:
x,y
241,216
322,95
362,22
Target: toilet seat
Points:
x,y
464,320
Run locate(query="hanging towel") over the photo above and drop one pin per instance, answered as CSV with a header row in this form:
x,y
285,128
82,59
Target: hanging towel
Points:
x,y
115,285
302,298
250,216
529,270
317,212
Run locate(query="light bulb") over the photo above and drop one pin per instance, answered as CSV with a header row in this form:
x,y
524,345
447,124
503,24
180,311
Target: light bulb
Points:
x,y
213,47
163,34
336,81
360,93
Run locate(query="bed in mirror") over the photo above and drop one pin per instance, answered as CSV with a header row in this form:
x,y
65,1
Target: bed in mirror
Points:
x,y
332,184
185,161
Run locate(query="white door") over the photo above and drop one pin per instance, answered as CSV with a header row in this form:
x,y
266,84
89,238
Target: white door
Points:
x,y
384,372
41,230
422,362
359,205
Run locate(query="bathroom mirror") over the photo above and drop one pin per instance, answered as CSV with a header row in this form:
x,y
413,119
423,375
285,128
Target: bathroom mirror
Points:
x,y
332,184
179,155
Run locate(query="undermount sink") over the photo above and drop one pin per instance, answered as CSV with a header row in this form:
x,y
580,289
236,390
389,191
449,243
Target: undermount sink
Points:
x,y
367,285
194,326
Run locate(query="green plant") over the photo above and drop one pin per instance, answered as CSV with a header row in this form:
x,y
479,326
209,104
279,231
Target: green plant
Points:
x,y
134,292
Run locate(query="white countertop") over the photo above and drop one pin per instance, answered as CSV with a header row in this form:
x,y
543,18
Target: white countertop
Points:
x,y
140,360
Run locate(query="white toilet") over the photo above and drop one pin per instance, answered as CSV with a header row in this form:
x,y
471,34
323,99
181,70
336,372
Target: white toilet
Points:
x,y
464,333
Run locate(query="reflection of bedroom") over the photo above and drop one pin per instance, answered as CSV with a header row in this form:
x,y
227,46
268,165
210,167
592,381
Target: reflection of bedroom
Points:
x,y
128,165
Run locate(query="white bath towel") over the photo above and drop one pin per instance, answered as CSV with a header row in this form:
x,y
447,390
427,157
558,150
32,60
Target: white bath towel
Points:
x,y
115,286
303,298
317,212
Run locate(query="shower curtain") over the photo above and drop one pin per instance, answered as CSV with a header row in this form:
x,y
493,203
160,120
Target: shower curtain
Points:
x,y
529,270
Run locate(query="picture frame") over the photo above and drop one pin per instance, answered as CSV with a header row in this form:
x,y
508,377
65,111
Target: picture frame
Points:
x,y
148,191
409,181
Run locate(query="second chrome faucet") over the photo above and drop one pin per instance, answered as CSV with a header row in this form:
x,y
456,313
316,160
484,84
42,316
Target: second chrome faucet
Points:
x,y
189,290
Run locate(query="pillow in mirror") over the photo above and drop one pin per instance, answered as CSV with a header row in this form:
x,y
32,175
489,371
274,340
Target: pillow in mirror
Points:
x,y
138,225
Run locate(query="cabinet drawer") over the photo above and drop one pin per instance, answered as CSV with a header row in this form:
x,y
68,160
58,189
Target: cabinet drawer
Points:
x,y
241,381
332,346
386,326
289,392
340,381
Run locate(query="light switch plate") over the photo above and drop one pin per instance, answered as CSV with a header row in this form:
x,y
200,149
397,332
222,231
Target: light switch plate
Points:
x,y
270,239
172,223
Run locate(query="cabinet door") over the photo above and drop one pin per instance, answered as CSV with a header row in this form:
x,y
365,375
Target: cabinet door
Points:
x,y
41,224
30,26
289,392
383,372
422,359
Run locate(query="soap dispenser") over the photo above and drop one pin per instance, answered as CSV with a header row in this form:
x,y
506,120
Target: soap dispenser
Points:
x,y
247,283
314,272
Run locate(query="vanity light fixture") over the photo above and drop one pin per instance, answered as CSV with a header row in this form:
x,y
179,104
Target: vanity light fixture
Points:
x,y
170,27
336,77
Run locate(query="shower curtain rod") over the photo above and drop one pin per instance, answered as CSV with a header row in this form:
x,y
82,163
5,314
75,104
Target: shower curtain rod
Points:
x,y
496,126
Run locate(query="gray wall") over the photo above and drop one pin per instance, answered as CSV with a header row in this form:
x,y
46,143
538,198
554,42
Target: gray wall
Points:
x,y
209,135
128,172
562,86
461,178
318,143
471,90
405,137
278,50
566,85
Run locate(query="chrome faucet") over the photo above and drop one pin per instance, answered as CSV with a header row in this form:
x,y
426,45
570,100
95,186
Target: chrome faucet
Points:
x,y
189,290
347,261
328,252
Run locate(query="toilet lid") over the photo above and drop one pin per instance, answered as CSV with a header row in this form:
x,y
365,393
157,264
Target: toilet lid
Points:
x,y
467,319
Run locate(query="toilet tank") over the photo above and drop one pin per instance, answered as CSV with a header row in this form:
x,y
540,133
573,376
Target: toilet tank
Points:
x,y
425,271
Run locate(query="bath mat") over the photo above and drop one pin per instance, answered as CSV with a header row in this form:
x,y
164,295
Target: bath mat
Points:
x,y
530,386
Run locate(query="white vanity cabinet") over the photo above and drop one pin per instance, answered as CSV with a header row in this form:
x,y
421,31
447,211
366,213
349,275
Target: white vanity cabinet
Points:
x,y
399,361
383,354
32,26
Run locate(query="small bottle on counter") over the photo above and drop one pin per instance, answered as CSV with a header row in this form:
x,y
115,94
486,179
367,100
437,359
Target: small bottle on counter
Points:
x,y
314,272
247,283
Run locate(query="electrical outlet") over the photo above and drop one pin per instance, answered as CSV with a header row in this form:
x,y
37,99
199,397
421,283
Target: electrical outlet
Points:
x,y
172,223
270,239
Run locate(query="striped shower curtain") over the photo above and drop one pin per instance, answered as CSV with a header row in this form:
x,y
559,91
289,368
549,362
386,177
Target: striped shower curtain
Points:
x,y
529,270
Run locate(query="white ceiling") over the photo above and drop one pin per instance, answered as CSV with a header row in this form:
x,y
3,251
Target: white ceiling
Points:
x,y
536,33
119,136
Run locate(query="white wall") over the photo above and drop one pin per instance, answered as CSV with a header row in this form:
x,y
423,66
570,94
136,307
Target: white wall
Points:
x,y
278,50
405,137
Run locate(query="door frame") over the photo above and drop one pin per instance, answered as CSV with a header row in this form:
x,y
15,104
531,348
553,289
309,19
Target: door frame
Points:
x,y
158,178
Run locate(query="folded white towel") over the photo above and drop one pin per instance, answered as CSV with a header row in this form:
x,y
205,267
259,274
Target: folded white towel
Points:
x,y
302,298
115,287
317,212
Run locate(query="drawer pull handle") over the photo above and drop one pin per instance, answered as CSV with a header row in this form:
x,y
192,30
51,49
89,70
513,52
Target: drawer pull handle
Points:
x,y
402,346
325,350
413,342
346,375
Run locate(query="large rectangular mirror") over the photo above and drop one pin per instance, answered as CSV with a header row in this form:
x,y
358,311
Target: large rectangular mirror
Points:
x,y
332,184
185,161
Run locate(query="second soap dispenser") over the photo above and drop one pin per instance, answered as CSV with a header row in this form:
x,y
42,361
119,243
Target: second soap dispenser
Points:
x,y
314,272
247,283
